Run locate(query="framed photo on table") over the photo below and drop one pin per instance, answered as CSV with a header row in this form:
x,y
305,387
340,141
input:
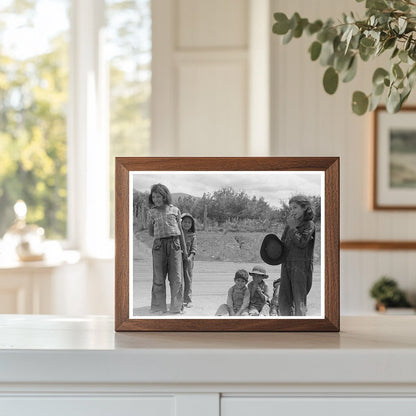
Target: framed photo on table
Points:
x,y
394,178
227,244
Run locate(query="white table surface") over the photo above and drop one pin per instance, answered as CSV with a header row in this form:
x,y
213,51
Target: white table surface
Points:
x,y
46,349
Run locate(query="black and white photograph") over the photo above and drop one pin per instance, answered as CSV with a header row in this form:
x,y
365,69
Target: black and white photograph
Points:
x,y
226,244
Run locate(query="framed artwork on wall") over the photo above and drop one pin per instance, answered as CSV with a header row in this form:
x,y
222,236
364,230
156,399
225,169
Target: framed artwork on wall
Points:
x,y
394,178
227,244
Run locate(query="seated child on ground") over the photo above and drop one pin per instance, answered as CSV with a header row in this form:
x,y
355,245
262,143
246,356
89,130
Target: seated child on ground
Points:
x,y
259,293
274,304
238,297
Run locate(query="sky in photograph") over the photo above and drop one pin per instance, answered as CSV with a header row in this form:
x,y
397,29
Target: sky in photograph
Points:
x,y
274,187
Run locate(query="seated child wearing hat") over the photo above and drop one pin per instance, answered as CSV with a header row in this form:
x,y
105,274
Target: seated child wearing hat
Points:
x,y
274,304
259,293
238,297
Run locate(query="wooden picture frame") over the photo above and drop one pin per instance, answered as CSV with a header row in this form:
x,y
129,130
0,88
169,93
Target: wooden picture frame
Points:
x,y
252,177
394,158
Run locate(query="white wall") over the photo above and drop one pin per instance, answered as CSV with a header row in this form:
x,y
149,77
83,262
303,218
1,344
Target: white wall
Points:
x,y
308,122
211,63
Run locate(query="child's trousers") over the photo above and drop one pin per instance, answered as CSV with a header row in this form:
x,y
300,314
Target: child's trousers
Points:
x,y
188,267
167,260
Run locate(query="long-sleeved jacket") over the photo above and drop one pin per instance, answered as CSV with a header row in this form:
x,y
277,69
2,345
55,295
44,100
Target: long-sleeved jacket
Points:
x,y
190,241
299,241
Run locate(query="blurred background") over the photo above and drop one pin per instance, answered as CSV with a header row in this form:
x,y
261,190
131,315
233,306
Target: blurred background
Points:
x,y
83,81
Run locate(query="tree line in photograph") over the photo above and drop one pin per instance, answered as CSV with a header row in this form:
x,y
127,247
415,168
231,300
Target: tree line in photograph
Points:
x,y
225,209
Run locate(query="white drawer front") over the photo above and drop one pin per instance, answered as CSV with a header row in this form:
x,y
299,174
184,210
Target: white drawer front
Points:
x,y
242,406
87,406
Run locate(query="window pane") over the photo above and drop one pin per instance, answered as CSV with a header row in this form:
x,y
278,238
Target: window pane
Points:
x,y
33,100
129,46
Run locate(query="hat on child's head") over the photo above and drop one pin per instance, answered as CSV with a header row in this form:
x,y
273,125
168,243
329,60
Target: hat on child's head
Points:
x,y
272,250
187,214
241,274
260,271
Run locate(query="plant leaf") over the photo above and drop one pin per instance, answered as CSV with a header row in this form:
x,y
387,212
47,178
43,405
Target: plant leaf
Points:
x,y
393,101
397,71
281,27
359,103
395,52
351,71
379,75
314,27
327,53
403,56
330,80
408,42
288,37
402,25
374,101
315,50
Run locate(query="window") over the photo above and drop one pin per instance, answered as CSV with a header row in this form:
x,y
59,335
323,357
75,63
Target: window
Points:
x,y
33,98
129,46
75,87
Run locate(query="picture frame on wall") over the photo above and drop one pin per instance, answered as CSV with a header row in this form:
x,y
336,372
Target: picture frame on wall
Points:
x,y
227,244
394,151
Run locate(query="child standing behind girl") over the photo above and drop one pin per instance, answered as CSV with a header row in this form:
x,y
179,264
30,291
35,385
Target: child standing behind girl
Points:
x,y
188,226
164,224
297,269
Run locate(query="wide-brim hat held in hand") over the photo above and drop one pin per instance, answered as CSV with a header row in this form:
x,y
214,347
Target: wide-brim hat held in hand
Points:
x,y
272,250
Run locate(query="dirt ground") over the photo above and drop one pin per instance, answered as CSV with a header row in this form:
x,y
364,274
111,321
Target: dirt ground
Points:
x,y
211,281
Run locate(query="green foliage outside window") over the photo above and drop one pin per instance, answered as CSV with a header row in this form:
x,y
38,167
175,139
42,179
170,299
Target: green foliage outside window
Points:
x,y
33,98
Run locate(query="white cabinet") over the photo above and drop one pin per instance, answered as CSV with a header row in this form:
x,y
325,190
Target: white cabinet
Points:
x,y
88,406
53,365
323,406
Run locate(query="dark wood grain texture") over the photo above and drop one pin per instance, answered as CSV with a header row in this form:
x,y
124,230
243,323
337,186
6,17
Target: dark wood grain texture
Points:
x,y
121,244
378,245
330,165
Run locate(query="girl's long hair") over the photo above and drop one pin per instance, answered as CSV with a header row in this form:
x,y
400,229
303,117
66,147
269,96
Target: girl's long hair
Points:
x,y
162,190
305,203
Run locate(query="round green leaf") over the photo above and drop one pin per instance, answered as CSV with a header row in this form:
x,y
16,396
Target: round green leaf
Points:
x,y
397,71
393,101
281,26
389,43
374,101
359,103
403,56
351,71
395,52
315,50
379,75
342,61
288,37
314,27
365,53
367,42
327,53
378,89
330,80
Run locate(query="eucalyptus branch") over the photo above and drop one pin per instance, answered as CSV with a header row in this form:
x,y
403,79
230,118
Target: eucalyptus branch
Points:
x,y
388,26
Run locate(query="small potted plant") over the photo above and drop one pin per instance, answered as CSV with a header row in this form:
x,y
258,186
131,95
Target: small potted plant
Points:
x,y
387,294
